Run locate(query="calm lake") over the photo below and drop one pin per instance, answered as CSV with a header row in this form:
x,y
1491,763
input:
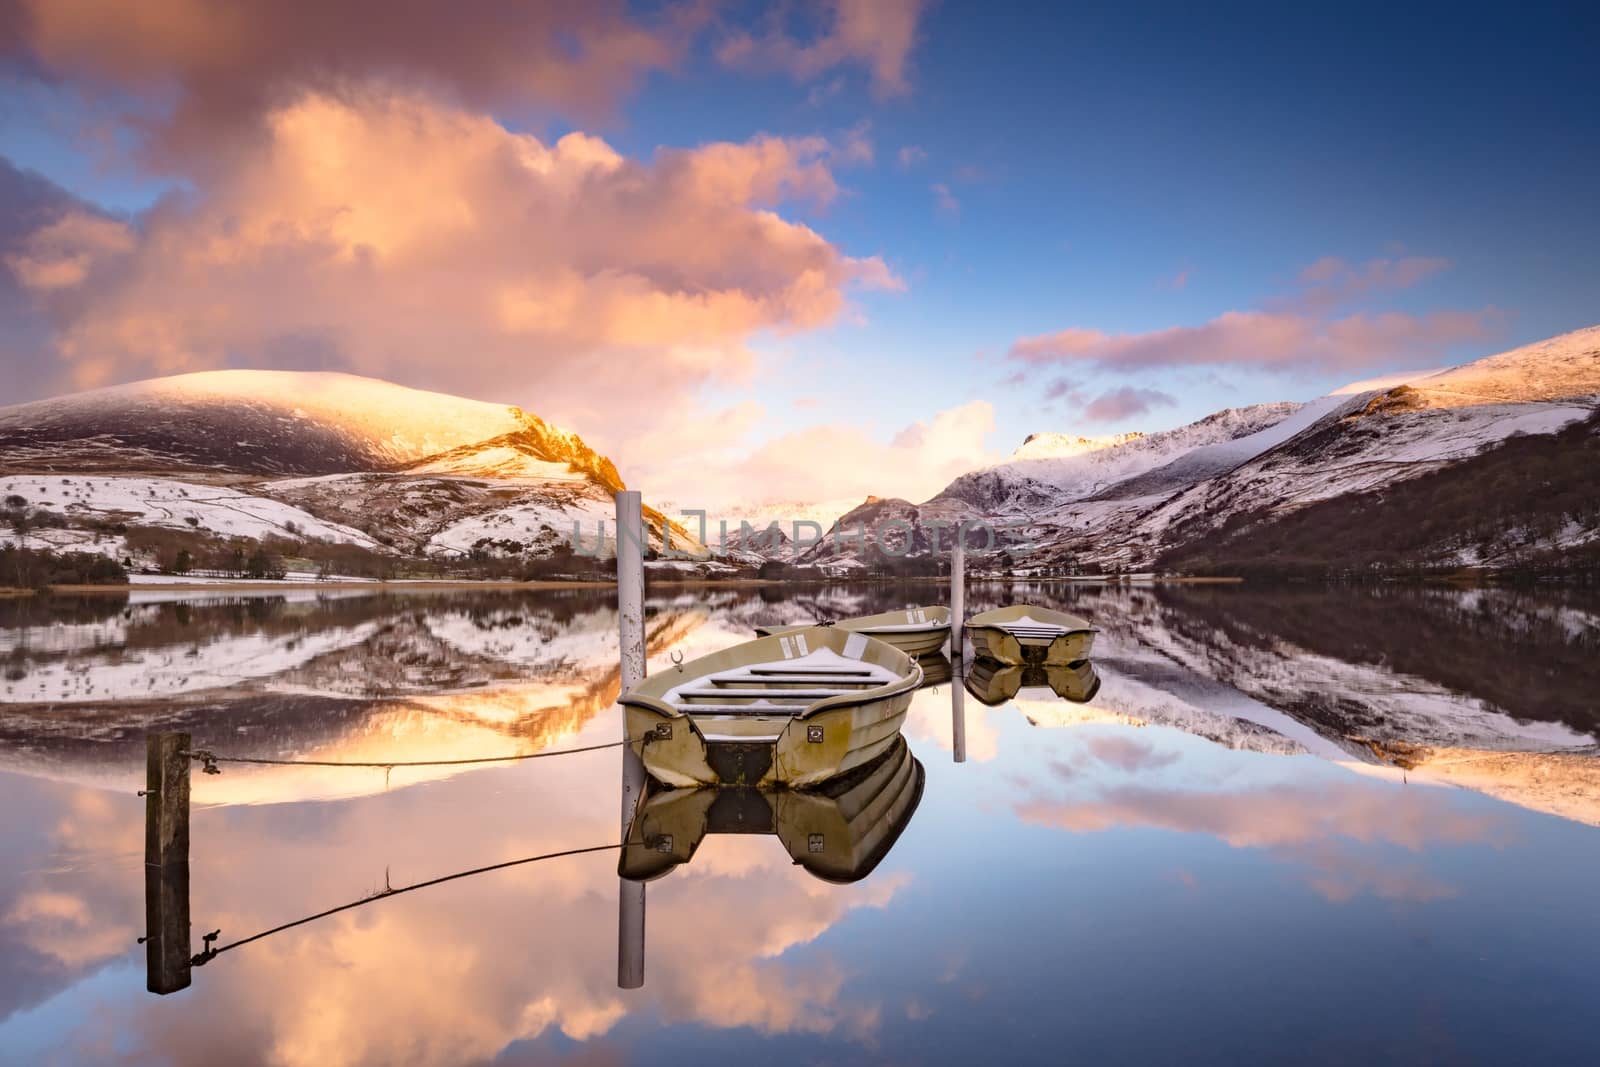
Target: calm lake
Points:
x,y
1316,825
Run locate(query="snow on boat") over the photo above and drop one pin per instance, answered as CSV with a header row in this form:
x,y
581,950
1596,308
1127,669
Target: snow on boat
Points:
x,y
1027,633
914,631
794,709
839,833
993,683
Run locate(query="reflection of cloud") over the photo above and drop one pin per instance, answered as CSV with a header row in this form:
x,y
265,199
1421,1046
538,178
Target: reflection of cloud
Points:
x,y
455,973
930,718
1128,754
1300,824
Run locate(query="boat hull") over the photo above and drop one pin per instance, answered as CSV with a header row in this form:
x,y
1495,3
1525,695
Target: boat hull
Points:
x,y
805,752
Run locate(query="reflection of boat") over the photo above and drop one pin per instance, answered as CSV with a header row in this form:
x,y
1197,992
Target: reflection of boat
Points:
x,y
839,833
995,683
796,708
1027,633
936,669
914,631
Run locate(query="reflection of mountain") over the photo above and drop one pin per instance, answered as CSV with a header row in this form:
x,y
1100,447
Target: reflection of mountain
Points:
x,y
518,675
839,832
1227,664
1406,677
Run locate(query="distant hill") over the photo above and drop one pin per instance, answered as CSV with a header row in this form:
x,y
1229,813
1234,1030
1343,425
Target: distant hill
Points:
x,y
1241,478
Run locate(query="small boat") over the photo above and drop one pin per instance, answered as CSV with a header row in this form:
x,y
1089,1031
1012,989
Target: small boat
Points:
x,y
794,709
993,683
914,631
1026,633
839,833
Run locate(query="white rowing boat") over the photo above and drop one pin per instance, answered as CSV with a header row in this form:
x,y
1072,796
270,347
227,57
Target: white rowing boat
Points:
x,y
915,631
794,709
1027,633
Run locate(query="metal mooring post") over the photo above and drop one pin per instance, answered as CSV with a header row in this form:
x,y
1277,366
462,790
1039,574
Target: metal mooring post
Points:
x,y
630,616
958,596
166,862
958,715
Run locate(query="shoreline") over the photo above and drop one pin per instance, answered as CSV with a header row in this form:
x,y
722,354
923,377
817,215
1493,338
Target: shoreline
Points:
x,y
423,584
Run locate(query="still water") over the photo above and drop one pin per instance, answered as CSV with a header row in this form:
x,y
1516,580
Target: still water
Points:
x,y
1315,826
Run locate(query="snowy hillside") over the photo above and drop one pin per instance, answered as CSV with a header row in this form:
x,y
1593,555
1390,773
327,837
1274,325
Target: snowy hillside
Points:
x,y
1052,468
1127,500
307,458
276,422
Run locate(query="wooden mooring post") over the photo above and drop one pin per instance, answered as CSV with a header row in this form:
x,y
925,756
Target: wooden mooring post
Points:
x,y
630,616
166,863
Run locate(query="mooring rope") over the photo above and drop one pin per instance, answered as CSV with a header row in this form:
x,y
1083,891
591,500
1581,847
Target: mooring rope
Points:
x,y
209,759
211,953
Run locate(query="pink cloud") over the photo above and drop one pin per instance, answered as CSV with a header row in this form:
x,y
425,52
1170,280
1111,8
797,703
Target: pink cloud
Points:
x,y
819,462
1294,332
1385,273
1124,403
910,155
878,34
228,63
944,201
1270,340
488,262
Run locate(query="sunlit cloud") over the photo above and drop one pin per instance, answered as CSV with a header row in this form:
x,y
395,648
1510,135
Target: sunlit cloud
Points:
x,y
207,71
876,34
832,462
564,275
1292,333
1124,403
1280,341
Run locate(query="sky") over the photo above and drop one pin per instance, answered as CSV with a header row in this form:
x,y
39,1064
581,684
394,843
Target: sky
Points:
x,y
774,253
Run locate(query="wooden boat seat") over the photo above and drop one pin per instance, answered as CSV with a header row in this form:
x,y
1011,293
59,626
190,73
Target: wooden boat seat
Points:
x,y
737,709
809,694
851,686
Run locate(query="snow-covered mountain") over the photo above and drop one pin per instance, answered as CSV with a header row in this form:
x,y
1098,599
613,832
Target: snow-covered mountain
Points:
x,y
1132,500
1051,467
300,456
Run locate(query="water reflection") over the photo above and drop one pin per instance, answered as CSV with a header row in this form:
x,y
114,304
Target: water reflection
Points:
x,y
839,832
994,683
1243,786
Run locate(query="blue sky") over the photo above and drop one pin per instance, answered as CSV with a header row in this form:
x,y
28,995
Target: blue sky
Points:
x,y
1116,170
